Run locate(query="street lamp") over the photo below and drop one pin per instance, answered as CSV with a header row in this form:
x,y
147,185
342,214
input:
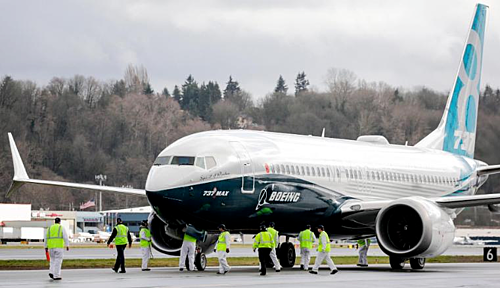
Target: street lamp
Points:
x,y
100,178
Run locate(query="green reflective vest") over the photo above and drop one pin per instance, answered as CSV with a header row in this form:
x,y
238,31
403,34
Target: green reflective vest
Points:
x,y
263,240
221,243
55,237
189,238
327,244
121,234
147,233
274,233
363,242
306,239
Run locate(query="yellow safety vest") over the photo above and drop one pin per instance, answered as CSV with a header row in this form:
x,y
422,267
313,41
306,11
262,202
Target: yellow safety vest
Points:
x,y
364,242
263,240
55,237
147,233
121,234
189,238
221,243
274,233
306,239
327,246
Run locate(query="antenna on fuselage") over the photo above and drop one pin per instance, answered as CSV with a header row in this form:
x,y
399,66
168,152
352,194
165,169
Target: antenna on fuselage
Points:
x,y
323,133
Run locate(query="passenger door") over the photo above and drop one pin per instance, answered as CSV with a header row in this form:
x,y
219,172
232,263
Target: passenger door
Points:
x,y
247,169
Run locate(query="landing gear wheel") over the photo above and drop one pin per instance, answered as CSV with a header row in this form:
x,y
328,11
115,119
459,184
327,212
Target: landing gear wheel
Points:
x,y
417,263
286,254
397,263
200,261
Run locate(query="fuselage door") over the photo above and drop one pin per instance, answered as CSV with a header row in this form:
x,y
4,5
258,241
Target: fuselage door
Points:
x,y
247,169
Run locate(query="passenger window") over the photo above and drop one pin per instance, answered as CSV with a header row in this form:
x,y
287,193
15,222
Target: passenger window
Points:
x,y
297,169
272,168
313,172
287,169
210,161
200,162
182,160
323,172
328,172
162,160
282,167
302,170
292,169
308,171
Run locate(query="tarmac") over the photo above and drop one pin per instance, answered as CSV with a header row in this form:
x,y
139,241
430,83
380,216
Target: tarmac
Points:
x,y
434,275
135,252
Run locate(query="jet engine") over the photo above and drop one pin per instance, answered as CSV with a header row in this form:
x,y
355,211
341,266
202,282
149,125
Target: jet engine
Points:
x,y
167,237
414,227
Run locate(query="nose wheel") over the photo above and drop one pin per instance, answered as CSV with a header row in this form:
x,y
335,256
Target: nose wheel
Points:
x,y
287,254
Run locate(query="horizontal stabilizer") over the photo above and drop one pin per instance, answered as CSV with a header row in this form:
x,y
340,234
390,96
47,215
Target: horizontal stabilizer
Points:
x,y
488,170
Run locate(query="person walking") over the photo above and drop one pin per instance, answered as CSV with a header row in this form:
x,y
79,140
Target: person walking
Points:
x,y
187,251
363,245
222,248
276,239
323,252
121,236
145,237
264,242
306,239
56,239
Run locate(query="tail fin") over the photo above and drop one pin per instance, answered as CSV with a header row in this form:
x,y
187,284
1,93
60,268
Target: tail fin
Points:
x,y
456,132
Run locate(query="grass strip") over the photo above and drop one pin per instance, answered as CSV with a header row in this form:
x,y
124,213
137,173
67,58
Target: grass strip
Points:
x,y
234,261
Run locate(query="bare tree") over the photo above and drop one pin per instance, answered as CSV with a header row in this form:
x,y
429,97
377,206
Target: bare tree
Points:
x,y
341,83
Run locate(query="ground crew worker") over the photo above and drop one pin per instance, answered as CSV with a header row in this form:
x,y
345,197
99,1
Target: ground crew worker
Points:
x,y
363,245
264,242
306,239
222,248
120,235
56,239
187,251
323,252
276,239
145,237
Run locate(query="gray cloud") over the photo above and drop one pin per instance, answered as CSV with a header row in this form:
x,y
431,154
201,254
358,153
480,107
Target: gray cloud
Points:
x,y
399,42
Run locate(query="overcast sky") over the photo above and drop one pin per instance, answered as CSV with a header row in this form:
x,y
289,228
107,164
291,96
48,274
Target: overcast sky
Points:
x,y
403,43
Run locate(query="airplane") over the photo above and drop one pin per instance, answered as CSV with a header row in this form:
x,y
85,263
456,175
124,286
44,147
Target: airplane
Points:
x,y
405,196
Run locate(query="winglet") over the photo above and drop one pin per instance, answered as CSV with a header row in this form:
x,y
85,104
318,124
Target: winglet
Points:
x,y
19,170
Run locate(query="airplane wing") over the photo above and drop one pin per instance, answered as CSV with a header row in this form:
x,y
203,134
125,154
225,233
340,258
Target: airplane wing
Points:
x,y
21,178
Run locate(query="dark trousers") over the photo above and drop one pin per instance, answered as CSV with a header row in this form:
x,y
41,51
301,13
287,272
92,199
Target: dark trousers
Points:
x,y
263,256
120,257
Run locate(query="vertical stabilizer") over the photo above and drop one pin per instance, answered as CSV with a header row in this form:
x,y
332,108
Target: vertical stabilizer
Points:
x,y
456,132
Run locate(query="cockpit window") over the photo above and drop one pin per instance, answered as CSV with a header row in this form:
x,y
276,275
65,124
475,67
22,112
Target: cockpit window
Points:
x,y
211,163
162,160
182,160
200,162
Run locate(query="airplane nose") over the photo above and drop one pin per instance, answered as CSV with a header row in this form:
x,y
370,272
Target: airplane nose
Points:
x,y
168,176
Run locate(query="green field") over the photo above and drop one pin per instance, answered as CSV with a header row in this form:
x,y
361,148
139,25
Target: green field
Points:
x,y
174,262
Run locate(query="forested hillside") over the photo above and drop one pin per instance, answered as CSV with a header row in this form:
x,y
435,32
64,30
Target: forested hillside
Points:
x,y
73,129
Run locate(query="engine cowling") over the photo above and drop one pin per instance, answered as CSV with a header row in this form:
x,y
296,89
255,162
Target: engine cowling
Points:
x,y
414,227
167,238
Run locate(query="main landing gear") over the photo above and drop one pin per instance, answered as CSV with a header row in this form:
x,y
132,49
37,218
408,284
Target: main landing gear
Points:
x,y
286,254
398,263
200,261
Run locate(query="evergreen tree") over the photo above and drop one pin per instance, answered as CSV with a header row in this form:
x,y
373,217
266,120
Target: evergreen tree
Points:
x,y
281,86
232,88
148,90
397,97
190,96
165,92
120,88
301,83
177,94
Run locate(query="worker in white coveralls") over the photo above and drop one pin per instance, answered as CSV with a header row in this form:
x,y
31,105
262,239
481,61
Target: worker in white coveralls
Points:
x,y
145,237
306,239
323,252
56,239
222,248
187,251
363,245
276,240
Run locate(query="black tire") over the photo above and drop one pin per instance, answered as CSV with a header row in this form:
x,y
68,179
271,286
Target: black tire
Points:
x,y
200,261
286,255
417,263
397,263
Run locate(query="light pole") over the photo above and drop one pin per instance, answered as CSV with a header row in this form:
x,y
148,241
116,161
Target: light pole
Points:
x,y
101,178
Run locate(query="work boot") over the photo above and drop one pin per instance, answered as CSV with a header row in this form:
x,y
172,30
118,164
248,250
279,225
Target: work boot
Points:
x,y
181,269
313,272
123,271
301,267
147,269
115,270
51,275
58,278
334,272
278,270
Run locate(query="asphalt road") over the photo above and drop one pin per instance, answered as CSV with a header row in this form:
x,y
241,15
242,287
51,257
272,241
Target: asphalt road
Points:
x,y
103,253
434,275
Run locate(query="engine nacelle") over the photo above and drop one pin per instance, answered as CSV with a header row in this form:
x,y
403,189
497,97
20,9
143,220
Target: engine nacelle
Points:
x,y
414,227
167,238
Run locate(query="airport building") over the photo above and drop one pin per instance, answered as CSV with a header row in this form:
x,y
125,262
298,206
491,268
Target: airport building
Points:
x,y
132,217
